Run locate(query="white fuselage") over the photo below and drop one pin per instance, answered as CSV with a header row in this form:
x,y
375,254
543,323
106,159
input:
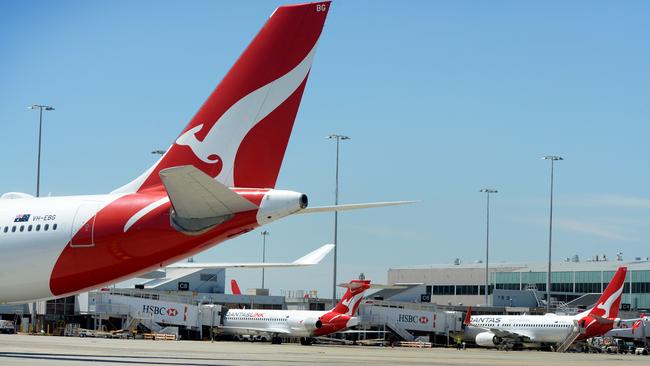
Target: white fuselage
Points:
x,y
294,323
548,328
58,246
31,248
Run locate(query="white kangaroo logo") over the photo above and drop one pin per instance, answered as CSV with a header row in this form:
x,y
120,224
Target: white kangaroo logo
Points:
x,y
229,130
607,304
354,299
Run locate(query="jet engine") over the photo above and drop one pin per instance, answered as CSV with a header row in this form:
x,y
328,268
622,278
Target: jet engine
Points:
x,y
277,204
487,339
312,323
305,325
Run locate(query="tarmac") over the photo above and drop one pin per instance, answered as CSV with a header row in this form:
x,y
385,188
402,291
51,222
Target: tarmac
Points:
x,y
49,350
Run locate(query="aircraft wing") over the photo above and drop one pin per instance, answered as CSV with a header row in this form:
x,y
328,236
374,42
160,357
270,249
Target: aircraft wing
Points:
x,y
195,194
307,260
354,206
505,334
257,330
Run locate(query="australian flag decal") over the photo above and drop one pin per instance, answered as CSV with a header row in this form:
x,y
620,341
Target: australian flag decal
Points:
x,y
22,218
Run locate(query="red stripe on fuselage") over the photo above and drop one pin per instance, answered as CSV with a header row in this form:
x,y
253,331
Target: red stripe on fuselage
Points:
x,y
150,242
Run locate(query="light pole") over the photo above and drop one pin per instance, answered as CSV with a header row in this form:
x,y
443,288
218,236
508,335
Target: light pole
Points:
x,y
338,139
487,192
40,107
553,159
264,233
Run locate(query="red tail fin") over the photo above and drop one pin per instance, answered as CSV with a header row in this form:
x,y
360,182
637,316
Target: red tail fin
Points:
x,y
352,298
468,316
241,132
610,301
234,287
636,325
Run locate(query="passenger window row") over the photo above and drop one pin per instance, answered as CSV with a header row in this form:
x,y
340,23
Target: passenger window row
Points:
x,y
531,325
250,318
29,228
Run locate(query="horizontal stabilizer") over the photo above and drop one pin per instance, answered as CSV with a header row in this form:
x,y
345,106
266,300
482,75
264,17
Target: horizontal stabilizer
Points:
x,y
196,195
308,260
353,206
602,320
376,286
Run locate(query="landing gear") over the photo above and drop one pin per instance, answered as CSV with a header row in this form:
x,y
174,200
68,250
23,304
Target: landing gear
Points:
x,y
276,340
506,345
306,341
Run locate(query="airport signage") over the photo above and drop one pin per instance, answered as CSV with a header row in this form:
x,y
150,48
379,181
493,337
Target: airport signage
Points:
x,y
415,320
164,312
171,311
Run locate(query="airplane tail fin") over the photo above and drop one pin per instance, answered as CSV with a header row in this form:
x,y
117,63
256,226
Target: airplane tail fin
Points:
x,y
468,316
241,132
234,287
610,301
352,298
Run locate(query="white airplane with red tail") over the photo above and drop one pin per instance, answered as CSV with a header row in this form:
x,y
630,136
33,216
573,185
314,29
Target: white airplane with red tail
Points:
x,y
305,324
215,182
531,331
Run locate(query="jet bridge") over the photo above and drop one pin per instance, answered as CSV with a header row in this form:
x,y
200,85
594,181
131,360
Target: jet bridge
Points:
x,y
153,312
409,320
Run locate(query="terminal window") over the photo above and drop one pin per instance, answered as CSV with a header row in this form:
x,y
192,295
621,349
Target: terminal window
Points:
x,y
211,277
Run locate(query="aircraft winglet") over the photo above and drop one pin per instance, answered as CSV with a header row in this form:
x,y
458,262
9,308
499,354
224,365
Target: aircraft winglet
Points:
x,y
314,257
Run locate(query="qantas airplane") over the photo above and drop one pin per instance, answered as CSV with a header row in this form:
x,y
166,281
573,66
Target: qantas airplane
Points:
x,y
215,182
298,323
532,331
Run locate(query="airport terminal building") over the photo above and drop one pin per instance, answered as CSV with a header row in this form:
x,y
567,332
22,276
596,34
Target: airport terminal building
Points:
x,y
523,284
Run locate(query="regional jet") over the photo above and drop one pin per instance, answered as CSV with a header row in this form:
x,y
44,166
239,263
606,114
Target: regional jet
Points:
x,y
304,324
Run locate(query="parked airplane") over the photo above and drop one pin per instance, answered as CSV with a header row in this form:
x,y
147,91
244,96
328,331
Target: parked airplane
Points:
x,y
297,323
507,331
215,182
635,328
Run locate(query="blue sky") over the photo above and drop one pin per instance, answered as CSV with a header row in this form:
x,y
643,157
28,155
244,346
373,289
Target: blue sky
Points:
x,y
440,99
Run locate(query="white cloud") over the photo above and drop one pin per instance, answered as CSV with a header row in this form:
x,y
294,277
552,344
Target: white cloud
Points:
x,y
593,201
608,231
605,200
